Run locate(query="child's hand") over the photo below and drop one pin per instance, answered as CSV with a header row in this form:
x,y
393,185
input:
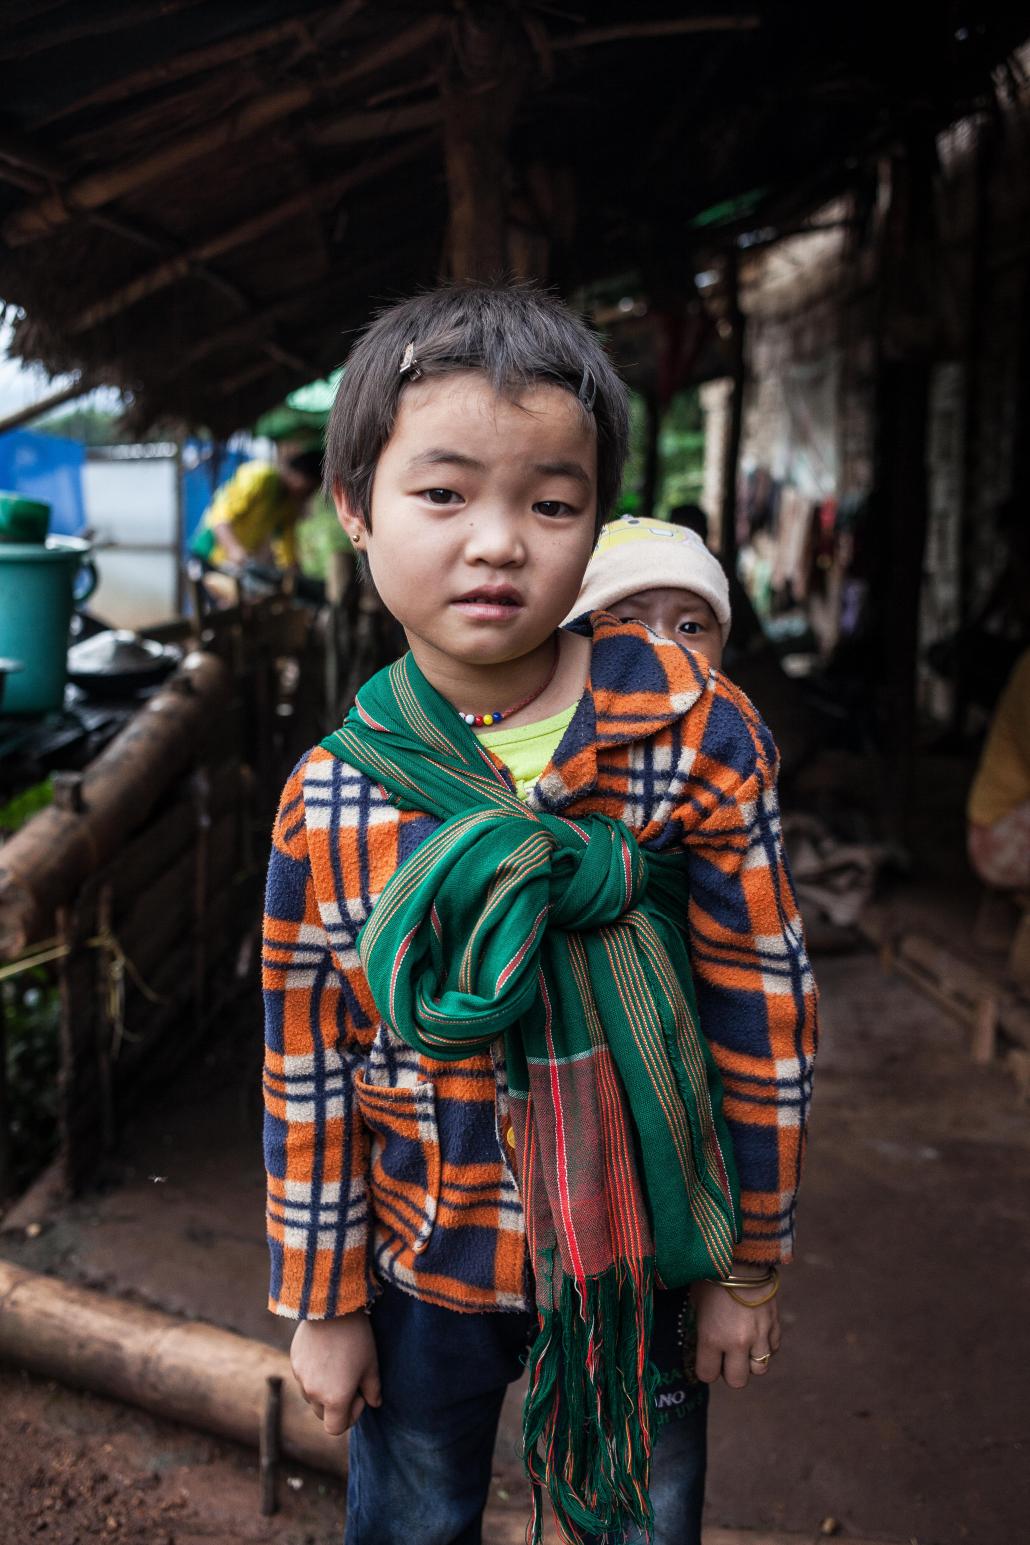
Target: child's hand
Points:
x,y
730,1336
335,1364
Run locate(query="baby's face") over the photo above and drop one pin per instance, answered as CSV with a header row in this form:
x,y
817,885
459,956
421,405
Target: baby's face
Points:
x,y
677,614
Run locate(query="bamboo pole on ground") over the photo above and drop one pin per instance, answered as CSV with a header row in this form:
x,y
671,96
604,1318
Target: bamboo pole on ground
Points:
x,y
43,864
183,1371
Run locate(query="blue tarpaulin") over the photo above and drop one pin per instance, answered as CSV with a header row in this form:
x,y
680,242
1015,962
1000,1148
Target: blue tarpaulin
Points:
x,y
49,467
46,467
205,468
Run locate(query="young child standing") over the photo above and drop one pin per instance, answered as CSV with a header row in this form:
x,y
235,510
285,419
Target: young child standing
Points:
x,y
493,1128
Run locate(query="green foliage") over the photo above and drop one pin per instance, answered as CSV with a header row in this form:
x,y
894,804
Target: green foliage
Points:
x,y
681,455
319,535
25,805
681,451
628,502
31,1010
30,1013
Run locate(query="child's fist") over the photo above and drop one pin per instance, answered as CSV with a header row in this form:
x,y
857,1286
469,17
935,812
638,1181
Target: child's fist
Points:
x,y
335,1364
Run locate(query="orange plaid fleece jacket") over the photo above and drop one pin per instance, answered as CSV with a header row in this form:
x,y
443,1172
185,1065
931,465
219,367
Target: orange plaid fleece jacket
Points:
x,y
386,1165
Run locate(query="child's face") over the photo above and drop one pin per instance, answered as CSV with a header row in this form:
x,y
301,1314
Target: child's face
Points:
x,y
678,614
483,513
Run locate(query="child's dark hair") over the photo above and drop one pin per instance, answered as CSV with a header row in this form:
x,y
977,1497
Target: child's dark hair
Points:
x,y
516,335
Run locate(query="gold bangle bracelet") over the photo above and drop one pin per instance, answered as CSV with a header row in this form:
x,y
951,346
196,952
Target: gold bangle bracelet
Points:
x,y
755,1303
731,1280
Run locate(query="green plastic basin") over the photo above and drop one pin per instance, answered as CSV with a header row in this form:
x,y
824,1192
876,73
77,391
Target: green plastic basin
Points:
x,y
37,584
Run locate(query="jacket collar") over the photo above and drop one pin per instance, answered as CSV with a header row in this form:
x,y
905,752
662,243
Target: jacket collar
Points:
x,y
639,684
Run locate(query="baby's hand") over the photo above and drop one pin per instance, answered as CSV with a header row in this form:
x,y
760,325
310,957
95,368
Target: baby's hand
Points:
x,y
730,1336
335,1364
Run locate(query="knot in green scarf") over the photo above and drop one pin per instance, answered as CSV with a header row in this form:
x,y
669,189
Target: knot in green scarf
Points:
x,y
565,938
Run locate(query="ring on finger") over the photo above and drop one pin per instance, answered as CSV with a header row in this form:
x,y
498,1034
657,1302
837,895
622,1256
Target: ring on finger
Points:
x,y
761,1360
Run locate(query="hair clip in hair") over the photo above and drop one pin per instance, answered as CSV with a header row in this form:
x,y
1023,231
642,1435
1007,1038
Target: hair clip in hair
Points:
x,y
587,393
409,364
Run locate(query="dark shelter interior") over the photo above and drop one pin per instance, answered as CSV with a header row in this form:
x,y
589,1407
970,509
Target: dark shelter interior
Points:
x,y
813,224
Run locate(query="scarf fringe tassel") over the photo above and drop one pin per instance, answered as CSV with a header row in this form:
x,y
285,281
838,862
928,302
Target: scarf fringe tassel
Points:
x,y
586,1421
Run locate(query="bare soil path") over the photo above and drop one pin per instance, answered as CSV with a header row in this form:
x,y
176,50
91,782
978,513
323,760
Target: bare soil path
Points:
x,y
897,1406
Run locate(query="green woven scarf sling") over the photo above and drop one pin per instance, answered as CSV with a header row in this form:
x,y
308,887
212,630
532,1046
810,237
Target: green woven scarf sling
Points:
x,y
562,936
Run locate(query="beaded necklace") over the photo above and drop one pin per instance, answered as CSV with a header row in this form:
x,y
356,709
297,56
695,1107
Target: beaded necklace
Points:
x,y
480,721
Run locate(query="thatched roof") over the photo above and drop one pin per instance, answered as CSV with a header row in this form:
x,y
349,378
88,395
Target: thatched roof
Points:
x,y
199,200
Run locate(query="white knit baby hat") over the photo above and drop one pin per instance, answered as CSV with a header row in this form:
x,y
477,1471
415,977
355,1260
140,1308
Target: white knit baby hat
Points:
x,y
635,554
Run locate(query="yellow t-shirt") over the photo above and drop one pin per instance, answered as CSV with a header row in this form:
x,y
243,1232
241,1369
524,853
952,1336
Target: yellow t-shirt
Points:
x,y
261,511
1003,777
527,749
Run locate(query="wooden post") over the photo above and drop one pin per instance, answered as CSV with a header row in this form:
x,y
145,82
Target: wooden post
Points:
x,y
200,789
906,334
653,424
268,1445
903,401
77,1080
109,1023
180,529
731,461
975,311
481,86
6,1175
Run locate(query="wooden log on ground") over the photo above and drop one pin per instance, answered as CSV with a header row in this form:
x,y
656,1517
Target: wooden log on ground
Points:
x,y
970,992
45,863
183,1371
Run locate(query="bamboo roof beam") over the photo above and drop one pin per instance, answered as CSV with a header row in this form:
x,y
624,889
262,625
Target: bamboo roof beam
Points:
x,y
95,189
635,31
86,26
44,405
252,373
30,158
185,262
379,124
33,163
341,286
194,62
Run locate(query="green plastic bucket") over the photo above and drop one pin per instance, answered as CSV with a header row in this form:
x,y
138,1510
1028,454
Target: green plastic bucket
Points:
x,y
23,519
37,587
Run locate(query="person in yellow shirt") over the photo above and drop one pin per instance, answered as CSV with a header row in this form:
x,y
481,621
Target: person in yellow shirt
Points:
x,y
999,800
253,517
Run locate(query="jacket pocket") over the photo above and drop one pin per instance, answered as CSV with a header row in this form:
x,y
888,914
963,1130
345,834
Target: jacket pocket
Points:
x,y
405,1168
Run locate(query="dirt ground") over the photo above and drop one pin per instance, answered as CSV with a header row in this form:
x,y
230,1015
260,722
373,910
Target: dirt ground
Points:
x,y
897,1406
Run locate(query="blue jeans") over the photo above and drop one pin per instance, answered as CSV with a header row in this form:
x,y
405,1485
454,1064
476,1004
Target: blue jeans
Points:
x,y
420,1464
